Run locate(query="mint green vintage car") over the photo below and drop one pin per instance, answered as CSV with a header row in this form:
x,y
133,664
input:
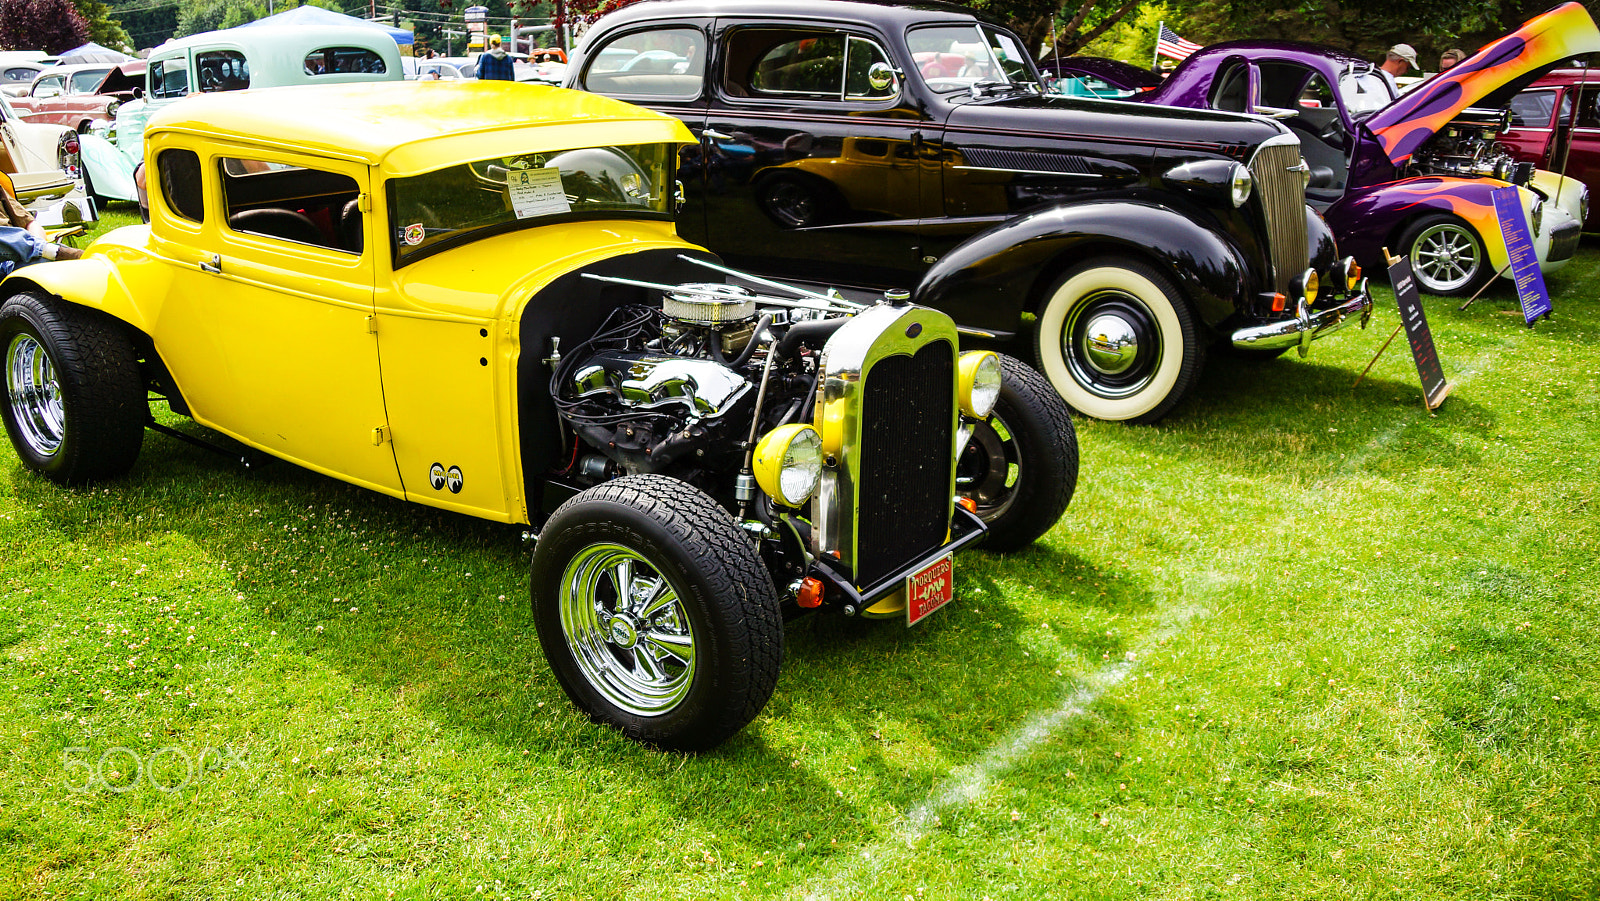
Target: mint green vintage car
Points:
x,y
233,59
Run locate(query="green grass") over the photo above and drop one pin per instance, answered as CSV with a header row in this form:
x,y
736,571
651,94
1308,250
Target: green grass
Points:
x,y
1297,640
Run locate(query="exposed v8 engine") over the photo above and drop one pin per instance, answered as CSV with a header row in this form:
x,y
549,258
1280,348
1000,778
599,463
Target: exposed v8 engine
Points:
x,y
1466,147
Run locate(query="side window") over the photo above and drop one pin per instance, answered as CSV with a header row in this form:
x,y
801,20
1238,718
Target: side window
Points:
x,y
169,78
292,203
180,183
49,87
86,81
809,64
1230,90
344,61
1588,112
221,70
860,81
1532,109
1285,85
660,62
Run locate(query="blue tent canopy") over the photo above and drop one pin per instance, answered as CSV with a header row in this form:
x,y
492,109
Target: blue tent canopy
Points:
x,y
316,15
93,53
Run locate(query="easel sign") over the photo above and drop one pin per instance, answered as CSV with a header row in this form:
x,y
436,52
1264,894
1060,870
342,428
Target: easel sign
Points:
x,y
1531,292
1434,387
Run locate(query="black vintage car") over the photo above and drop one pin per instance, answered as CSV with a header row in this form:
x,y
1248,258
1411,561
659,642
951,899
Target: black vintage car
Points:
x,y
875,146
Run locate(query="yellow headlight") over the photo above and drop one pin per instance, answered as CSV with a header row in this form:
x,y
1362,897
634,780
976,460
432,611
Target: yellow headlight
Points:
x,y
788,463
980,383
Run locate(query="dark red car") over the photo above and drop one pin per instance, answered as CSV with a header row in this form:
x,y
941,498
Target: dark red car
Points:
x,y
77,95
1555,124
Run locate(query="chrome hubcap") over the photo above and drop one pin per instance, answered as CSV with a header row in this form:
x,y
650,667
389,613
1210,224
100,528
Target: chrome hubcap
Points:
x,y
1111,343
627,629
988,470
35,395
1445,258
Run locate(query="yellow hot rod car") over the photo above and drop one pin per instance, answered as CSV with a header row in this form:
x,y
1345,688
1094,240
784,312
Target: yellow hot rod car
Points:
x,y
472,296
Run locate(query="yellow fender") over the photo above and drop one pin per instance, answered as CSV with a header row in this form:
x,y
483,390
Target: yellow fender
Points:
x,y
125,290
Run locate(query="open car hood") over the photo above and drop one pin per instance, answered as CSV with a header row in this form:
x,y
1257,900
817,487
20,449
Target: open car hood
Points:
x,y
124,78
1488,78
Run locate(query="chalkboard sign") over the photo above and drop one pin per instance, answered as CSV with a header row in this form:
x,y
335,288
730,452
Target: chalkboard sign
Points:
x,y
1531,291
1415,321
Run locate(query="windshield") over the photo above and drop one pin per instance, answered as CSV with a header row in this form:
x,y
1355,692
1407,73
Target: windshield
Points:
x,y
490,196
956,57
1364,91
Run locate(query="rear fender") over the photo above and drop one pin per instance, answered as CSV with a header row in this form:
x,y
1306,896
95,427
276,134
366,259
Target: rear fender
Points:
x,y
992,278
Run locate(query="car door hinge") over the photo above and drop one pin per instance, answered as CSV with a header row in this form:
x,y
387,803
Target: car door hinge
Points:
x,y
364,202
380,435
372,325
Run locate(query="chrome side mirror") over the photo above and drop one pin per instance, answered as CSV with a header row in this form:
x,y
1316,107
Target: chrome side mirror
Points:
x,y
880,76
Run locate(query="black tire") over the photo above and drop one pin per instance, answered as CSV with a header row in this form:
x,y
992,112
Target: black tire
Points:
x,y
1132,305
1448,257
1021,464
75,404
616,664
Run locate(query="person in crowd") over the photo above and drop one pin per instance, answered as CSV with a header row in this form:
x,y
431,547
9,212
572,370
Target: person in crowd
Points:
x,y
22,241
1449,58
1400,60
495,63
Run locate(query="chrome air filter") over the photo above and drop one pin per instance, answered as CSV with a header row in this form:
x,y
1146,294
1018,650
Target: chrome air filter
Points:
x,y
709,304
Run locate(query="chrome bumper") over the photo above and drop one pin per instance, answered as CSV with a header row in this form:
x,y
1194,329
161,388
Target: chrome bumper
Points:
x,y
1307,326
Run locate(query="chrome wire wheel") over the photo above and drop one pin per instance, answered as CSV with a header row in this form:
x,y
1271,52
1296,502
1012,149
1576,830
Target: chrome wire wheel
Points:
x,y
1446,257
627,629
34,395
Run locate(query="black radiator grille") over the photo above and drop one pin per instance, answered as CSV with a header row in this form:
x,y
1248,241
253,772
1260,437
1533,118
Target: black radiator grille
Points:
x,y
903,506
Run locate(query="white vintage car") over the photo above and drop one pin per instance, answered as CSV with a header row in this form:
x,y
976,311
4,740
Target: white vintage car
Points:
x,y
43,163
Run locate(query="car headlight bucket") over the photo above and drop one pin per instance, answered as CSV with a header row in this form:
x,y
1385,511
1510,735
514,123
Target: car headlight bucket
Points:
x,y
980,383
1240,185
788,463
111,109
1352,273
1307,285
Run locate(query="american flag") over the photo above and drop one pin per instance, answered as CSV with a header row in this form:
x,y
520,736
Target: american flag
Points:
x,y
1168,44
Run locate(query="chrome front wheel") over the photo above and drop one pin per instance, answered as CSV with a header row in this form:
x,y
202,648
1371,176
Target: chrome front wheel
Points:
x,y
627,630
1447,256
34,395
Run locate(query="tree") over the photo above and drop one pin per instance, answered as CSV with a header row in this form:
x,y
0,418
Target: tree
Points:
x,y
49,25
103,29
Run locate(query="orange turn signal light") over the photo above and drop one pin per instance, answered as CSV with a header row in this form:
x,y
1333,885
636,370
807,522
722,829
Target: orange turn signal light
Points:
x,y
810,594
1279,302
970,505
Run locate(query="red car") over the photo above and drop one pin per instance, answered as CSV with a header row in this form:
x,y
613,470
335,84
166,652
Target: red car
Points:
x,y
1555,124
77,95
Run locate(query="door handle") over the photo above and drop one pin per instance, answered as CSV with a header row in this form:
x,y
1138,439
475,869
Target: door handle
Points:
x,y
214,265
716,135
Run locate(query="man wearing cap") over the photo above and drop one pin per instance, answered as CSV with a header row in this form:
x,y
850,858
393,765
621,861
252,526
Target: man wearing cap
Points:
x,y
495,63
1399,60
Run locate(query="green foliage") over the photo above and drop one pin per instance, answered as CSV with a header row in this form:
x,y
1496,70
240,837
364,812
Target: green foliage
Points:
x,y
1133,40
104,29
197,16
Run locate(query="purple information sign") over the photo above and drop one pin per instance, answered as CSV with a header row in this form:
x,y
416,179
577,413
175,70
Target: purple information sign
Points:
x,y
1524,260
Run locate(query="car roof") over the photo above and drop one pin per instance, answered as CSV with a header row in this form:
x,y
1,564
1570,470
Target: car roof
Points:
x,y
882,11
410,127
288,38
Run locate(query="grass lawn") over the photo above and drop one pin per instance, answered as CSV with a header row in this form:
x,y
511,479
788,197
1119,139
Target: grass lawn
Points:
x,y
1295,641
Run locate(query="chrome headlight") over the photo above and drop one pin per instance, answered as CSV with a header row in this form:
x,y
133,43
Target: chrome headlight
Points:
x,y
1241,184
111,109
980,383
1352,273
1307,285
788,463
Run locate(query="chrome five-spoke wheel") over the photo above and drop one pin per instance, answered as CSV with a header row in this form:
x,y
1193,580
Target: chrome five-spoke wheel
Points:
x,y
627,629
34,395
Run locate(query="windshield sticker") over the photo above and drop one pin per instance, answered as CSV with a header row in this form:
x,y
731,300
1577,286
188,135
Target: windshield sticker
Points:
x,y
415,234
537,192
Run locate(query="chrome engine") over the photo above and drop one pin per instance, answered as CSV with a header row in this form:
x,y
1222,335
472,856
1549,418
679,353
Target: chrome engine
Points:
x,y
1466,147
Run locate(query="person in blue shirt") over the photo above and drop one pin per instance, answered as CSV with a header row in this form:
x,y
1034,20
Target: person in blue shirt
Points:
x,y
22,241
495,63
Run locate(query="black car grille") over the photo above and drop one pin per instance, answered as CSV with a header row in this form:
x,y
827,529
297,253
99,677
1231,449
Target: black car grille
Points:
x,y
903,503
1281,190
1564,241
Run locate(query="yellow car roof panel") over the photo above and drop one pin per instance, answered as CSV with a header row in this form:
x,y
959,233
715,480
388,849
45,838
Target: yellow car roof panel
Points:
x,y
417,126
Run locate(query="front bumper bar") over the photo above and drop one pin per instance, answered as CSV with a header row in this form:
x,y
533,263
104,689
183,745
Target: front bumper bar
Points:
x,y
965,528
1307,326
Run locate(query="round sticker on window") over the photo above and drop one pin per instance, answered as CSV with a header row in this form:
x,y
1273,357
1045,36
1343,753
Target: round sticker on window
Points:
x,y
415,234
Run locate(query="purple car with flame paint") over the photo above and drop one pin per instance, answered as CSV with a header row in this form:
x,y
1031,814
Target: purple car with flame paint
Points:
x,y
1409,172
